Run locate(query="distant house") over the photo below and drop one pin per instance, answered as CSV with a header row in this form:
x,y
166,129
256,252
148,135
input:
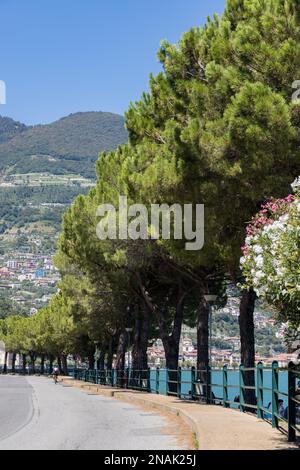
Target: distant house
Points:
x,y
283,359
4,272
187,345
26,277
40,273
12,264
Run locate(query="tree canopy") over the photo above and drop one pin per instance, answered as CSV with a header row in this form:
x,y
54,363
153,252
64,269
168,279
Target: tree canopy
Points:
x,y
217,127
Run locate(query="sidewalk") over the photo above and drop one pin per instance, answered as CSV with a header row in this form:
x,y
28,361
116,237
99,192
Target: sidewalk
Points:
x,y
215,427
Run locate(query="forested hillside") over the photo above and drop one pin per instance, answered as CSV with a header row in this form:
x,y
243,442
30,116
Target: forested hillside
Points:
x,y
43,168
70,145
10,128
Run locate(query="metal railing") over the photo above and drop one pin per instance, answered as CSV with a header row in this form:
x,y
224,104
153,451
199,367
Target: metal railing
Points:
x,y
269,392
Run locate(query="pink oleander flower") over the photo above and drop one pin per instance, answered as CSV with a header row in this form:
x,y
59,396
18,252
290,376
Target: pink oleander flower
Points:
x,y
269,213
245,250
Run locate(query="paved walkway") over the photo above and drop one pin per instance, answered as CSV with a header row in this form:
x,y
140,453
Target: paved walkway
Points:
x,y
215,427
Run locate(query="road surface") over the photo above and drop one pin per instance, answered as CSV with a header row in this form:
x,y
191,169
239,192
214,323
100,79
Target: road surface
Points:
x,y
37,414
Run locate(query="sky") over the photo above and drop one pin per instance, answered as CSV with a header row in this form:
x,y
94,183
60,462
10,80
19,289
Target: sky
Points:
x,y
63,56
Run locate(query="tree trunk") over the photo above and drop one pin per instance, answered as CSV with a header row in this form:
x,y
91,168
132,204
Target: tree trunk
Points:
x,y
32,358
5,362
59,365
120,364
139,374
140,341
42,364
203,374
24,362
91,360
101,360
110,353
246,321
50,365
13,363
171,342
64,365
203,335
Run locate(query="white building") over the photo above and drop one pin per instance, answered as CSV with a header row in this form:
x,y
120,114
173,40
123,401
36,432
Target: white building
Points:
x,y
2,353
187,345
12,264
9,357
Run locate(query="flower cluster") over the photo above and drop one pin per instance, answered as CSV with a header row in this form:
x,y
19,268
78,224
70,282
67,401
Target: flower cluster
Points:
x,y
271,255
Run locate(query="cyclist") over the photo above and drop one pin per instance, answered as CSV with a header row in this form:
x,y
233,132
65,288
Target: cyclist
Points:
x,y
55,374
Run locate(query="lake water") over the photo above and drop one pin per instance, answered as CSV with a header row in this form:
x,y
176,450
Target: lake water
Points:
x,y
217,378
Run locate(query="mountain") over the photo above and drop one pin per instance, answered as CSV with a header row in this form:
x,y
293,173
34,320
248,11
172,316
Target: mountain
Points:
x,y
43,168
10,128
69,145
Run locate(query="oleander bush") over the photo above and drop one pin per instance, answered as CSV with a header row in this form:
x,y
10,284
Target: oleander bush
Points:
x,y
271,255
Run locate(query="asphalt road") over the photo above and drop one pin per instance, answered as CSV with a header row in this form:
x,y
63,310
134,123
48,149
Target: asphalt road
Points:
x,y
37,414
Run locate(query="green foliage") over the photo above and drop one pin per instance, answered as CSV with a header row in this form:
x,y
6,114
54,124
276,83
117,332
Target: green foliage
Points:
x,y
7,307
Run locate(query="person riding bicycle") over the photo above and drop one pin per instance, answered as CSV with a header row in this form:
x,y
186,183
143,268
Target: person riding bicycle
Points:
x,y
55,374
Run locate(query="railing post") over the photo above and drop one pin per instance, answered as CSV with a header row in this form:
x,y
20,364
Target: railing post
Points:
x,y
275,385
291,402
179,382
140,380
259,390
157,380
193,383
242,388
225,387
167,381
149,380
208,386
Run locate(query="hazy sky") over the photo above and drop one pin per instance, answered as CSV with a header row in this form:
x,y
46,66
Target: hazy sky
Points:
x,y
63,56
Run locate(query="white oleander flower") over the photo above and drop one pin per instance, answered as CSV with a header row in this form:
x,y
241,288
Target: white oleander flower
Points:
x,y
243,260
257,249
296,184
259,261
